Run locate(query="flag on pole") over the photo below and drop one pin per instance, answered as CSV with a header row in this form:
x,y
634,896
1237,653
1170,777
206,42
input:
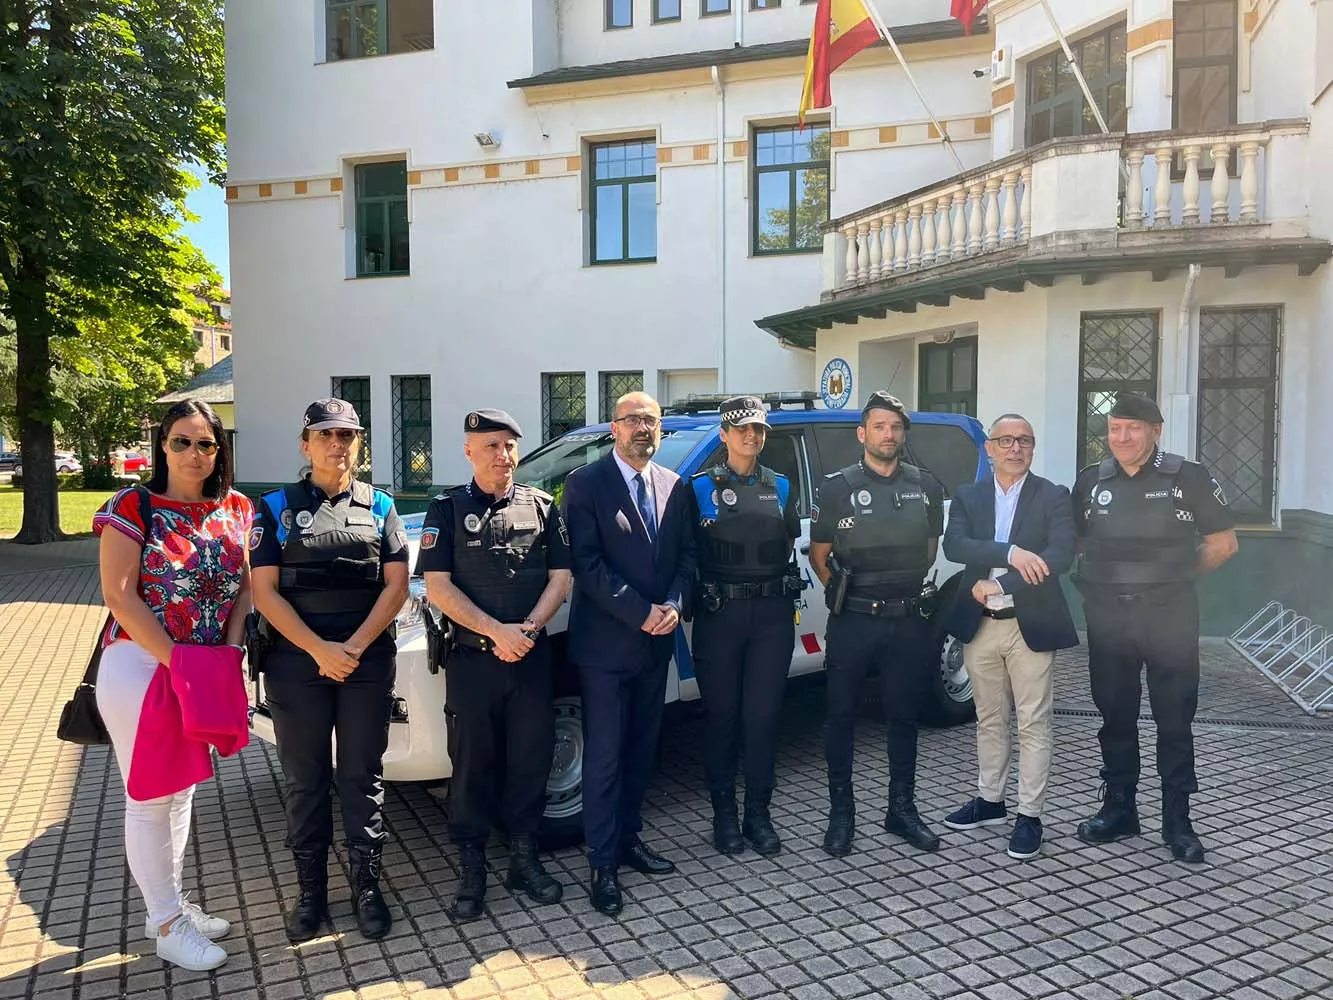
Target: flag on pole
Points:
x,y
967,11
842,29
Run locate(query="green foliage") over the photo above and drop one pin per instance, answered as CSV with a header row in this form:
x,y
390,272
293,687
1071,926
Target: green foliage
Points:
x,y
812,208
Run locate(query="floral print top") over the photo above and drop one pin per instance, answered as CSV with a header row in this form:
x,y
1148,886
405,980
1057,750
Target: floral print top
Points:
x,y
193,555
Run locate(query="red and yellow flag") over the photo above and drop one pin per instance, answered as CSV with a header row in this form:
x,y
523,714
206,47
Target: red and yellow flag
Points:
x,y
967,11
842,29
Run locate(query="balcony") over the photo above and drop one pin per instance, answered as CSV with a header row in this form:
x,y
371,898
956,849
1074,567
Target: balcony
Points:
x,y
1154,202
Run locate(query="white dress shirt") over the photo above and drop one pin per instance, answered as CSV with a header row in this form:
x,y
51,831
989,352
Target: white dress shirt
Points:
x,y
1006,504
629,472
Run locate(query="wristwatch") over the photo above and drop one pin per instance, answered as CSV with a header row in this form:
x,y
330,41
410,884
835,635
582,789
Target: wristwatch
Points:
x,y
531,629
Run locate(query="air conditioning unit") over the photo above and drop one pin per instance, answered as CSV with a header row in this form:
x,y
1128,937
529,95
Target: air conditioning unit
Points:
x,y
1002,65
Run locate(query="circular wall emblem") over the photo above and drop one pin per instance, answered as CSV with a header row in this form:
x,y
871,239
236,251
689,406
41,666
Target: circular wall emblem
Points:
x,y
1104,497
305,519
472,522
729,497
835,385
864,498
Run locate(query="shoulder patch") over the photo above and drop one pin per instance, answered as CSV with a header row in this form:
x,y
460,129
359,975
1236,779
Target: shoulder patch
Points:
x,y
256,536
1218,493
429,537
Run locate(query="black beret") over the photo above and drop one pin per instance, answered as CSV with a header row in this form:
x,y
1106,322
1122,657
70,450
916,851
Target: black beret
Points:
x,y
741,410
881,400
1136,408
481,421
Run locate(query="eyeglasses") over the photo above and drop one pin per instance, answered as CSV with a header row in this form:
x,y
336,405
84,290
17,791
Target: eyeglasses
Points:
x,y
204,446
344,435
646,421
1007,441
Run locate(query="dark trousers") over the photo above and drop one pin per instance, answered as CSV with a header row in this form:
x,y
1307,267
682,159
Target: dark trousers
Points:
x,y
1159,632
622,720
307,713
501,736
742,654
901,649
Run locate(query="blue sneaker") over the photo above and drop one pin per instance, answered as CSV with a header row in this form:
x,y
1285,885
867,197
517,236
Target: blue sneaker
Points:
x,y
976,813
1025,841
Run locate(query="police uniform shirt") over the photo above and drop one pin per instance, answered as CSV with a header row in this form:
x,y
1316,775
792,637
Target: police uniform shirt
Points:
x,y
712,500
833,509
791,512
1201,499
436,554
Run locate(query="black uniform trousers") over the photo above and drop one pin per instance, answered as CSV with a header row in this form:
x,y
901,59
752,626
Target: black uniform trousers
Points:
x,y
902,650
742,654
308,712
501,730
1158,631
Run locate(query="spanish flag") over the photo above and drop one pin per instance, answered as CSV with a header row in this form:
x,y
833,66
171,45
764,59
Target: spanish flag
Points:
x,y
842,29
967,11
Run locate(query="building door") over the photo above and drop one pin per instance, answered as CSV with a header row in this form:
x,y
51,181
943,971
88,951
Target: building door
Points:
x,y
947,382
677,384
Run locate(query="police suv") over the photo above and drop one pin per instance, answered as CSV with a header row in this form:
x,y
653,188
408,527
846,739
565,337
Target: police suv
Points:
x,y
805,444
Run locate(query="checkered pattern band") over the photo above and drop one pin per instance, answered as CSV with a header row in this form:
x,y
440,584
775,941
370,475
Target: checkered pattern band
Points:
x,y
736,416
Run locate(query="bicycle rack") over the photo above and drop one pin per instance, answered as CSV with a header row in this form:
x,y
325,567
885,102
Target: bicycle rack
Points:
x,y
1292,651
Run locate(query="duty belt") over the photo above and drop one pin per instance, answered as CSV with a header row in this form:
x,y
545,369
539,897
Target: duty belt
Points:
x,y
472,640
744,591
895,607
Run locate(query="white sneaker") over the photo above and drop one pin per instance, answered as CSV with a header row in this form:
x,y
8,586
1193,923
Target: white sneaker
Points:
x,y
184,946
213,928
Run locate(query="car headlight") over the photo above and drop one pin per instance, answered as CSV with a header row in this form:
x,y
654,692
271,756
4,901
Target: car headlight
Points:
x,y
414,607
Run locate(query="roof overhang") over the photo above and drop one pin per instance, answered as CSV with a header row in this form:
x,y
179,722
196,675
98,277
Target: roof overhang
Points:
x,y
1091,255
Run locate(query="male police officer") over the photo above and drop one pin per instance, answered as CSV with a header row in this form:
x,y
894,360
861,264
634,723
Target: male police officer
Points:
x,y
495,555
1140,514
744,625
881,521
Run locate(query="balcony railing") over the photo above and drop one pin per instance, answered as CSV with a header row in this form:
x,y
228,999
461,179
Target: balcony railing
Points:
x,y
1159,182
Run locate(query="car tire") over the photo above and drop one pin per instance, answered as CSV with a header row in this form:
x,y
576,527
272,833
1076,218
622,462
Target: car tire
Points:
x,y
949,700
562,823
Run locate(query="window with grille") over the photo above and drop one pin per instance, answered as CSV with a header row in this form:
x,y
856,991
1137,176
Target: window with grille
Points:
x,y
381,219
612,386
358,28
948,377
1237,427
564,403
1055,102
1204,50
411,432
623,201
791,186
356,390
1117,353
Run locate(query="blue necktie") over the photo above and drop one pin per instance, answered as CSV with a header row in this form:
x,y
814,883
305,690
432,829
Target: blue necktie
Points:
x,y
645,508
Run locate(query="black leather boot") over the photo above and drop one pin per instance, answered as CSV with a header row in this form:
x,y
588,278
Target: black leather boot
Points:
x,y
372,914
758,825
841,821
1177,831
903,819
1117,819
527,874
311,909
726,828
470,901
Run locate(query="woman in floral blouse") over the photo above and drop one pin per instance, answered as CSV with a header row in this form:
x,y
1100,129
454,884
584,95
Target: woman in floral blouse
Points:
x,y
183,577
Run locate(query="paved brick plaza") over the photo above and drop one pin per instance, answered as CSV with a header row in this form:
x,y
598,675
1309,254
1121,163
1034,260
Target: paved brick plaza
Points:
x,y
966,923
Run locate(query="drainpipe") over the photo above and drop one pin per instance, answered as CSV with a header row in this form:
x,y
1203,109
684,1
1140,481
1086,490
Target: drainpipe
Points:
x,y
740,23
722,223
1180,405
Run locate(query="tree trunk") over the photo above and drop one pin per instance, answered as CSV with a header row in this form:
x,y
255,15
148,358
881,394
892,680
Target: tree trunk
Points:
x,y
41,512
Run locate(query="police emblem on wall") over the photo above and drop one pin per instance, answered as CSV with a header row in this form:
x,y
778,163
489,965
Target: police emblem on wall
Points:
x,y
305,519
729,497
835,385
473,523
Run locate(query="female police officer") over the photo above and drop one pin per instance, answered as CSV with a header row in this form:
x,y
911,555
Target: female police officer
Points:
x,y
744,623
329,564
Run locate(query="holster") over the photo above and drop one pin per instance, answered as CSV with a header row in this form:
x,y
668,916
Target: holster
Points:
x,y
793,583
835,594
439,639
710,597
258,642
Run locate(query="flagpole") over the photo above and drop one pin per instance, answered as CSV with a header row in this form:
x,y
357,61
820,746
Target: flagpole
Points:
x,y
893,44
1073,64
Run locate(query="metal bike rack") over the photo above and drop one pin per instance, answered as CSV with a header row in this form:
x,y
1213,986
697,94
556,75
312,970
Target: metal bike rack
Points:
x,y
1294,652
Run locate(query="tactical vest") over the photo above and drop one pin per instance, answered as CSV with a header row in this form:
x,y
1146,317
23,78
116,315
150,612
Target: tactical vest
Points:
x,y
330,551
500,550
885,543
742,533
1136,536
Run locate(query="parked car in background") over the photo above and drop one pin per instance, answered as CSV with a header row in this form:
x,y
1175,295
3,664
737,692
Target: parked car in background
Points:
x,y
67,462
9,461
128,463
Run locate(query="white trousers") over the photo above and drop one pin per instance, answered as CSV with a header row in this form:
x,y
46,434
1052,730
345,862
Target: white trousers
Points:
x,y
156,830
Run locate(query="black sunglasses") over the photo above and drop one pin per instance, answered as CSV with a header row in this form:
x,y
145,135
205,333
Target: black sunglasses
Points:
x,y
205,446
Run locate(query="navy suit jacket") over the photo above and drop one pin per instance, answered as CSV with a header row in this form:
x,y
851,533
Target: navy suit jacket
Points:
x,y
618,572
1044,524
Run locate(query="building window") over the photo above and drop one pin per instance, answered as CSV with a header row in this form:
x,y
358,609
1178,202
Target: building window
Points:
x,y
619,13
791,186
1238,368
225,341
381,219
666,10
709,7
624,201
1055,102
764,4
948,377
564,403
357,28
357,392
1117,353
411,432
198,338
613,385
1204,47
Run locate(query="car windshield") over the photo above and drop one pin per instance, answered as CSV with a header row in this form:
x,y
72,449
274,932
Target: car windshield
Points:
x,y
547,467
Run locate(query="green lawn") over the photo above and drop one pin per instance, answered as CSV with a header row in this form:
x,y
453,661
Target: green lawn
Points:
x,y
76,510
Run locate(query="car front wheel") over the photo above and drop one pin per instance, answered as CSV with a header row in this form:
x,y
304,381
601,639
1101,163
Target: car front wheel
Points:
x,y
949,702
562,823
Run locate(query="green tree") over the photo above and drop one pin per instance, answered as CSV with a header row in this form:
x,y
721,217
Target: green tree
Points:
x,y
778,230
102,103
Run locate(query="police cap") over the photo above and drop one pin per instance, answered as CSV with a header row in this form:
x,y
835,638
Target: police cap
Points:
x,y
881,400
324,414
482,421
1128,407
741,410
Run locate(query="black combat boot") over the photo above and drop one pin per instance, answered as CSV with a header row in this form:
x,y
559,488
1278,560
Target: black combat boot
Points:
x,y
527,874
1177,831
758,825
841,821
470,902
307,916
1117,819
903,819
372,915
726,828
